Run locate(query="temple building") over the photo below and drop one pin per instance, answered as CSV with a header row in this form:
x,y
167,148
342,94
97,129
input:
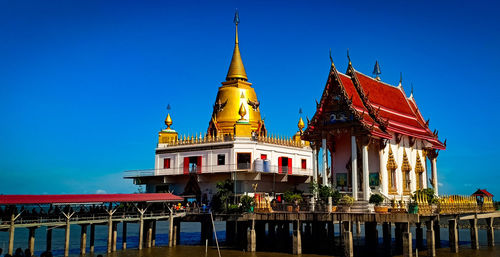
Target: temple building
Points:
x,y
372,137
236,146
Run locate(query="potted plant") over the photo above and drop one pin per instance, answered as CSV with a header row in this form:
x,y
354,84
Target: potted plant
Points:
x,y
336,196
346,201
293,199
377,200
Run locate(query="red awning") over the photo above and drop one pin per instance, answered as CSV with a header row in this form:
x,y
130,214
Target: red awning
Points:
x,y
482,192
94,198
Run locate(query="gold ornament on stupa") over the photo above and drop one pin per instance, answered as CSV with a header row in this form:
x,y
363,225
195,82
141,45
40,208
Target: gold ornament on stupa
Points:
x,y
301,125
242,112
168,121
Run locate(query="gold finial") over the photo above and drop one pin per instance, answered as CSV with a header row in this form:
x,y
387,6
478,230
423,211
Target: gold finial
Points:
x,y
168,121
301,124
236,69
242,112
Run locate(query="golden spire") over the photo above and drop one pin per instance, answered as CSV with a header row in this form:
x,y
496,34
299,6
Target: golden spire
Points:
x,y
301,124
236,69
168,121
242,112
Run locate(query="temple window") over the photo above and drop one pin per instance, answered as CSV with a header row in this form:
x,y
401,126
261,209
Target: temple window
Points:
x,y
166,163
284,165
263,156
303,164
221,159
392,166
243,161
406,169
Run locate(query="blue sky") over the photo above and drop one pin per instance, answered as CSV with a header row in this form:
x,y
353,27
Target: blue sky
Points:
x,y
84,85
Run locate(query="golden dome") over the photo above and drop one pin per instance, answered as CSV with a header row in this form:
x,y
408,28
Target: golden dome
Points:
x,y
236,100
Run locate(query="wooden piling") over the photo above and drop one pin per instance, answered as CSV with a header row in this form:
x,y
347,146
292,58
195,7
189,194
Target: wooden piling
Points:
x,y
153,236
149,234
251,238
12,229
66,238
92,238
473,234
48,243
31,239
83,239
453,235
490,232
115,236
124,235
171,229
141,229
110,232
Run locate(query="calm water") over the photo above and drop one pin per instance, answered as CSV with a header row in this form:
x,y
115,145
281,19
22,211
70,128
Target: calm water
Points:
x,y
190,238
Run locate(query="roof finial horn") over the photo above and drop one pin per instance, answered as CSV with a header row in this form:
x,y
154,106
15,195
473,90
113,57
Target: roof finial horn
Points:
x,y
376,70
349,57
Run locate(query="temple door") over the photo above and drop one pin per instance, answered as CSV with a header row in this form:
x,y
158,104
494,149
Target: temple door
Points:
x,y
186,165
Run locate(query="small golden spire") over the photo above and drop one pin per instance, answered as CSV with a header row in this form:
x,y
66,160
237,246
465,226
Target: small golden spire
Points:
x,y
242,112
236,69
301,124
168,121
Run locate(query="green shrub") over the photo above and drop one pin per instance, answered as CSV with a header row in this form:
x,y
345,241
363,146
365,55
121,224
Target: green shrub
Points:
x,y
376,199
246,203
291,197
347,200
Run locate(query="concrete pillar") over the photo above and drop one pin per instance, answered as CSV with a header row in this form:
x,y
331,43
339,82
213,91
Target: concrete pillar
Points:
x,y
115,236
31,240
453,233
12,229
383,173
473,234
437,232
354,168
315,167
297,240
83,239
407,245
358,228
420,236
48,245
141,230
434,175
149,234
171,230
348,244
431,245
124,235
325,161
371,233
177,232
490,232
366,176
66,238
251,240
92,238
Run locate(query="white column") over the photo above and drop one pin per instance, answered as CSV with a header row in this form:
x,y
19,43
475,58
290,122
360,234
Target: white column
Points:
x,y
325,161
366,176
354,168
315,165
383,173
434,175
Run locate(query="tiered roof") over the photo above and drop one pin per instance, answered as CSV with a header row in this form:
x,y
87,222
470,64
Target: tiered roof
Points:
x,y
380,108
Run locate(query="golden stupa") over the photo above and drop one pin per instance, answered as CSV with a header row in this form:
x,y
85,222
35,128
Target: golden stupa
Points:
x,y
236,94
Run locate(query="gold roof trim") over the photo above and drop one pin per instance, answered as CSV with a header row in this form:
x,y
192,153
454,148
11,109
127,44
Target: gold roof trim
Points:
x,y
406,164
391,163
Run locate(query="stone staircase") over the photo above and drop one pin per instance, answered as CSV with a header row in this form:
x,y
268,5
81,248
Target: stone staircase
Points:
x,y
360,206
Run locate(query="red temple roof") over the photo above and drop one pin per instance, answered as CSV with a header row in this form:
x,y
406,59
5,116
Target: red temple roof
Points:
x,y
88,198
482,192
384,108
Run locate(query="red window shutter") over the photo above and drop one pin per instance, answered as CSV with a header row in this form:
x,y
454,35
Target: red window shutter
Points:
x,y
280,163
186,165
289,166
263,156
198,165
304,164
166,163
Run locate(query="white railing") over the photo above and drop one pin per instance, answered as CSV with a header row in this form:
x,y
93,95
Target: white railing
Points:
x,y
218,168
